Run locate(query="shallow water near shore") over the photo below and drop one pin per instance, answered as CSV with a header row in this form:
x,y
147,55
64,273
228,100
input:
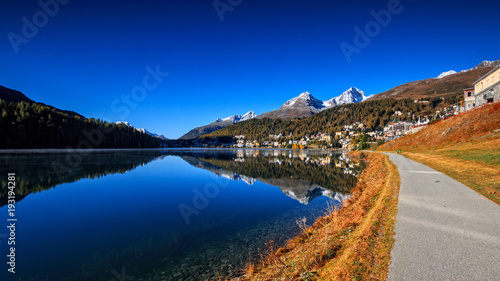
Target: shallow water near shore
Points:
x,y
161,214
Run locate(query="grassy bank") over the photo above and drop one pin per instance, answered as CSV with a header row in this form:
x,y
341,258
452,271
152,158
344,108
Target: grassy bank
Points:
x,y
482,178
353,242
466,148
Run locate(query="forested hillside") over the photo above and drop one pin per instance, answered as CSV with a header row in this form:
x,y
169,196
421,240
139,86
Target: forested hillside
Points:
x,y
33,125
375,114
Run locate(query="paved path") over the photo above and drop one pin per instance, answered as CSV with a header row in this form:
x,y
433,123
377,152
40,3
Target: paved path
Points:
x,y
444,230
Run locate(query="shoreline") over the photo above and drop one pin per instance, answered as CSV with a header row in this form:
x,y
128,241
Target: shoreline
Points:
x,y
354,241
70,150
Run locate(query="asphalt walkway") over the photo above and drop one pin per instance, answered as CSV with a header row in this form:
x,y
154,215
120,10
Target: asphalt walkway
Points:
x,y
444,230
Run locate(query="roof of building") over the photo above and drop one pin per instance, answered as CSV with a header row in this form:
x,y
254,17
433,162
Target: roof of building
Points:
x,y
486,75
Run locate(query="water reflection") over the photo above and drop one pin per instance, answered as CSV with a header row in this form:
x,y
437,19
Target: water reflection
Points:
x,y
300,175
116,209
41,170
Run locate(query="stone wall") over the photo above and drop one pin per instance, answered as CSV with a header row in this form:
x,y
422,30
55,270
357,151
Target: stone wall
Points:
x,y
497,93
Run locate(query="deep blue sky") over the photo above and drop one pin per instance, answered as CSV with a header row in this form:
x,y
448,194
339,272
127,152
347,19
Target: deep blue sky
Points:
x,y
263,53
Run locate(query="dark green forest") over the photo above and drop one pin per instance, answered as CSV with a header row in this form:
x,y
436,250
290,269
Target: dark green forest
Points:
x,y
33,125
36,172
374,114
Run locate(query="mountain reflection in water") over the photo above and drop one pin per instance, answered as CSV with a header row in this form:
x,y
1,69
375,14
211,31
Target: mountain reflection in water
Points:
x,y
299,175
81,209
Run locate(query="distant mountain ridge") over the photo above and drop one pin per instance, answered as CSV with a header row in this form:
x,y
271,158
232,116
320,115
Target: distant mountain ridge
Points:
x,y
446,84
25,123
306,104
217,124
303,105
10,95
238,118
446,73
485,63
142,130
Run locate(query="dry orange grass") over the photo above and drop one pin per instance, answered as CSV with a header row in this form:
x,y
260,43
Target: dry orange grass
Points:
x,y
351,243
473,126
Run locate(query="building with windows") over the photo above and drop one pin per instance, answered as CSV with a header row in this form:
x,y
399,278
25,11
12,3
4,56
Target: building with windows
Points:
x,y
469,99
487,88
396,129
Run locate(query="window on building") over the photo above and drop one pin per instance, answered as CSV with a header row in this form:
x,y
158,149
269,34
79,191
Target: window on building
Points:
x,y
469,94
468,106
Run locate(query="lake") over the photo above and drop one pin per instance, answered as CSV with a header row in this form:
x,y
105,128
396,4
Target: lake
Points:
x,y
186,214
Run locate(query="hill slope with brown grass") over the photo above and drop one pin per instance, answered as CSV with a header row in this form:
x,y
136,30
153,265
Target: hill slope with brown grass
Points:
x,y
352,243
465,147
432,87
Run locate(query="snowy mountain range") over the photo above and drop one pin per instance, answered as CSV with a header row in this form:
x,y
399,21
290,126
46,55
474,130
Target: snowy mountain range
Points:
x,y
352,95
485,63
238,118
142,130
218,124
306,104
301,106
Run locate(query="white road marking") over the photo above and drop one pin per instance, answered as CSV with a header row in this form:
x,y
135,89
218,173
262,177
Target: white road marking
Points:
x,y
423,172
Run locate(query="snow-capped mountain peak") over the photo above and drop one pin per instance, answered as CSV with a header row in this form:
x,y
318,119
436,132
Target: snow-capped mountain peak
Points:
x,y
485,63
218,124
304,100
124,123
329,103
352,95
248,115
306,104
488,63
238,118
142,130
446,73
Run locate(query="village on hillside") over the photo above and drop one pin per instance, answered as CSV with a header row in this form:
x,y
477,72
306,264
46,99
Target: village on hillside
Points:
x,y
356,136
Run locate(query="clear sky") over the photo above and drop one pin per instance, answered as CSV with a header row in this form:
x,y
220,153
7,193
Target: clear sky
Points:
x,y
92,56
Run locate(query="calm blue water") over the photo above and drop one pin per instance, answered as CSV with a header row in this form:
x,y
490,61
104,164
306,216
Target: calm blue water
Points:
x,y
159,214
